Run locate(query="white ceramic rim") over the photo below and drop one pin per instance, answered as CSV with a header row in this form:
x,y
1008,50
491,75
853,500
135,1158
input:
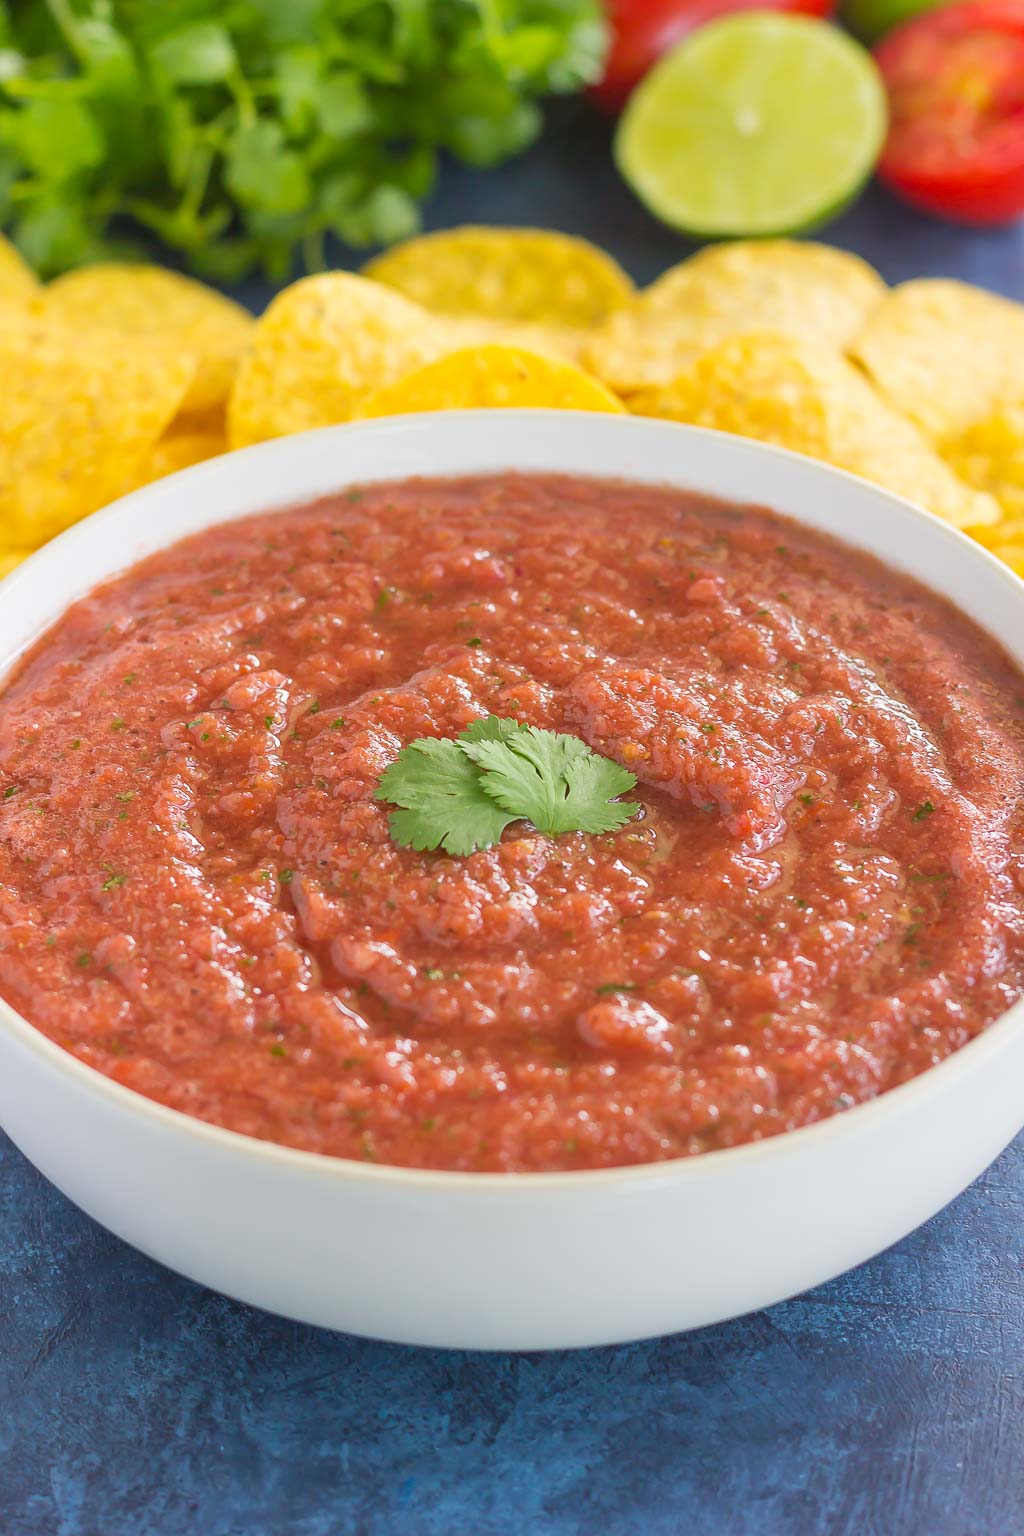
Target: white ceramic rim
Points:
x,y
969,1058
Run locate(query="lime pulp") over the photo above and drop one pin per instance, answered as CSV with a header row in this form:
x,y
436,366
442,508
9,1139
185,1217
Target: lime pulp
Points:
x,y
758,124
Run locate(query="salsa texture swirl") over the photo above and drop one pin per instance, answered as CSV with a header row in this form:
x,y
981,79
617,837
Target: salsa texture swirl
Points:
x,y
821,895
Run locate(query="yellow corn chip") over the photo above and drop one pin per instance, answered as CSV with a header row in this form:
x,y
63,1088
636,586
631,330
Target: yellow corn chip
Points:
x,y
1013,556
1009,547
180,448
795,288
990,456
211,423
18,283
10,558
944,354
533,275
1009,532
165,308
807,398
322,344
477,331
494,376
75,424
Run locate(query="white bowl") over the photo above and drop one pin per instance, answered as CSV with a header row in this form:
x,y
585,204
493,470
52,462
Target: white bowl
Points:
x,y
526,1261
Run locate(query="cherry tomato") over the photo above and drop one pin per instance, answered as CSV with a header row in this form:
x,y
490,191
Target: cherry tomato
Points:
x,y
955,78
642,30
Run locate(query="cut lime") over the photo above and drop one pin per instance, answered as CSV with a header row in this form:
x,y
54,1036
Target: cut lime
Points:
x,y
758,124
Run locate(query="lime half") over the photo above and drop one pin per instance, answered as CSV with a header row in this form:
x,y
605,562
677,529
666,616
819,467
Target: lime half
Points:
x,y
758,124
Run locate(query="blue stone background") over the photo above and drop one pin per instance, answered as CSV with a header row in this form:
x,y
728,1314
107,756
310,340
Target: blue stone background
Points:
x,y
887,1403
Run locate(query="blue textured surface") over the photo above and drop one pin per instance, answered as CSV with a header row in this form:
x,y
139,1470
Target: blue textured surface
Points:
x,y
888,1403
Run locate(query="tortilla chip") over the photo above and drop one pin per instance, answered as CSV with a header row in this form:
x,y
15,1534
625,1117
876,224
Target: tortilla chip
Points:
x,y
1009,531
212,423
493,376
76,423
18,283
164,307
798,289
990,456
944,353
322,344
180,448
806,398
1005,541
10,559
477,331
532,275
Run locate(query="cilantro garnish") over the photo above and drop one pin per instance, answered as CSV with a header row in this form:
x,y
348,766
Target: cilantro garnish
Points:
x,y
461,795
244,135
553,780
442,800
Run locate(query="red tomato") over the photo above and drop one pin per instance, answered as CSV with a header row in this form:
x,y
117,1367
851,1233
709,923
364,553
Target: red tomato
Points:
x,y
642,30
956,95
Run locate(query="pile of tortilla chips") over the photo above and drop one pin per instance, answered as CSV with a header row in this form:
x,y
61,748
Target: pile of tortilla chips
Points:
x,y
113,376
118,374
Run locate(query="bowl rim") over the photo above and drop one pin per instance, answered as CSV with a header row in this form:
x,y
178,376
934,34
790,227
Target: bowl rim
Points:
x,y
968,1059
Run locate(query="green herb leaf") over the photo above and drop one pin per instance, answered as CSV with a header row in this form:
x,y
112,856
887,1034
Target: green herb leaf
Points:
x,y
554,780
442,802
202,54
342,105
107,55
262,173
461,795
242,134
58,137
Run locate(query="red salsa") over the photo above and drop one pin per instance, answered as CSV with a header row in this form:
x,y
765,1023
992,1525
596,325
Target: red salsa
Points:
x,y
820,897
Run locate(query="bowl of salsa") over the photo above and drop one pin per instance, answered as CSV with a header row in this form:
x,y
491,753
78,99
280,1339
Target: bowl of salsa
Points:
x,y
511,880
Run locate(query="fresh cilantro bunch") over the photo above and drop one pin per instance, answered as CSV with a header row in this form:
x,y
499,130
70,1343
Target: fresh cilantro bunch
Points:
x,y
242,131
461,795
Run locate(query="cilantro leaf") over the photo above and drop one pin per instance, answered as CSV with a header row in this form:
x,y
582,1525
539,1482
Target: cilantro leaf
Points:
x,y
461,795
245,134
490,728
200,54
58,138
261,172
442,803
552,779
